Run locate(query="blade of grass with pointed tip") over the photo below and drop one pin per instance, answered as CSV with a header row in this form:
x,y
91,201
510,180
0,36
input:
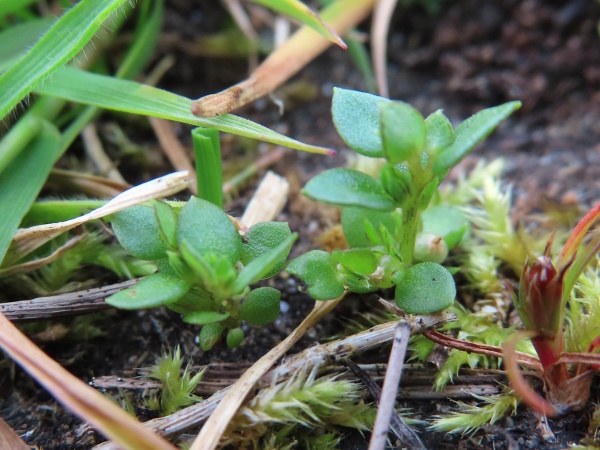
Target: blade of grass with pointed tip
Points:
x,y
23,180
299,11
62,42
83,400
129,96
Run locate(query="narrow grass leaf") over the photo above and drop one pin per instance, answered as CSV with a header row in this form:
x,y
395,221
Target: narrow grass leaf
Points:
x,y
135,98
299,11
62,42
15,41
23,180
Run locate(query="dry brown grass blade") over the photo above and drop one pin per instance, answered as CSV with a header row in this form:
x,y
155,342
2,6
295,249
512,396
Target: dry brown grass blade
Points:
x,y
84,401
9,439
84,183
379,32
28,239
215,426
305,45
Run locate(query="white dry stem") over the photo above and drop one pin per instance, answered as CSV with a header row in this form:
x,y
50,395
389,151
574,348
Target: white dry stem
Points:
x,y
268,201
380,25
95,150
393,374
28,239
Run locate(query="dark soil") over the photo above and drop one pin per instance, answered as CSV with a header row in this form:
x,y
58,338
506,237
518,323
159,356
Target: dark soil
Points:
x,y
472,55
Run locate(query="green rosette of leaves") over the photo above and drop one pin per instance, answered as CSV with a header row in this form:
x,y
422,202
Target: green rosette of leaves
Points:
x,y
205,268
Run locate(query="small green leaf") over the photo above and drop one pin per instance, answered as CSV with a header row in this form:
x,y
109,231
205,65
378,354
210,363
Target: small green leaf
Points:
x,y
403,131
356,117
317,270
446,221
195,300
263,237
358,260
205,317
393,185
261,266
470,133
439,133
353,224
166,218
155,290
425,288
137,231
234,338
261,307
347,187
207,229
209,335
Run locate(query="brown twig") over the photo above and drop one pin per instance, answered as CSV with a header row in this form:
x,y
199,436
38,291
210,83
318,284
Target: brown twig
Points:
x,y
90,300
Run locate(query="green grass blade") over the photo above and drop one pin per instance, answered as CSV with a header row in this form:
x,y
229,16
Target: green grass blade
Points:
x,y
15,41
131,97
299,11
62,42
23,180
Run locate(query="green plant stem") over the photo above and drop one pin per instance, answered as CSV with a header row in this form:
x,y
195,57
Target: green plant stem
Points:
x,y
410,227
207,150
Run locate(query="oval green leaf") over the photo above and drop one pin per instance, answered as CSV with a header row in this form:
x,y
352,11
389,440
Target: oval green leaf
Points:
x,y
317,270
359,260
155,290
207,229
261,307
137,231
425,288
403,130
263,237
205,317
347,187
356,117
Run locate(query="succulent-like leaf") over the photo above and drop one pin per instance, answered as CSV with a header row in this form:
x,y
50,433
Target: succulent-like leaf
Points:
x,y
155,290
403,132
356,117
137,231
359,260
470,133
425,288
262,265
317,270
166,218
439,133
263,237
234,338
261,307
353,223
209,335
207,229
205,317
348,187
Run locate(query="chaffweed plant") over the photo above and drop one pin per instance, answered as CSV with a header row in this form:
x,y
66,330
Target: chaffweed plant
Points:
x,y
395,240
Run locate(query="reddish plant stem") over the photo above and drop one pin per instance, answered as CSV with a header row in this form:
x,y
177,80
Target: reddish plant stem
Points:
x,y
483,349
